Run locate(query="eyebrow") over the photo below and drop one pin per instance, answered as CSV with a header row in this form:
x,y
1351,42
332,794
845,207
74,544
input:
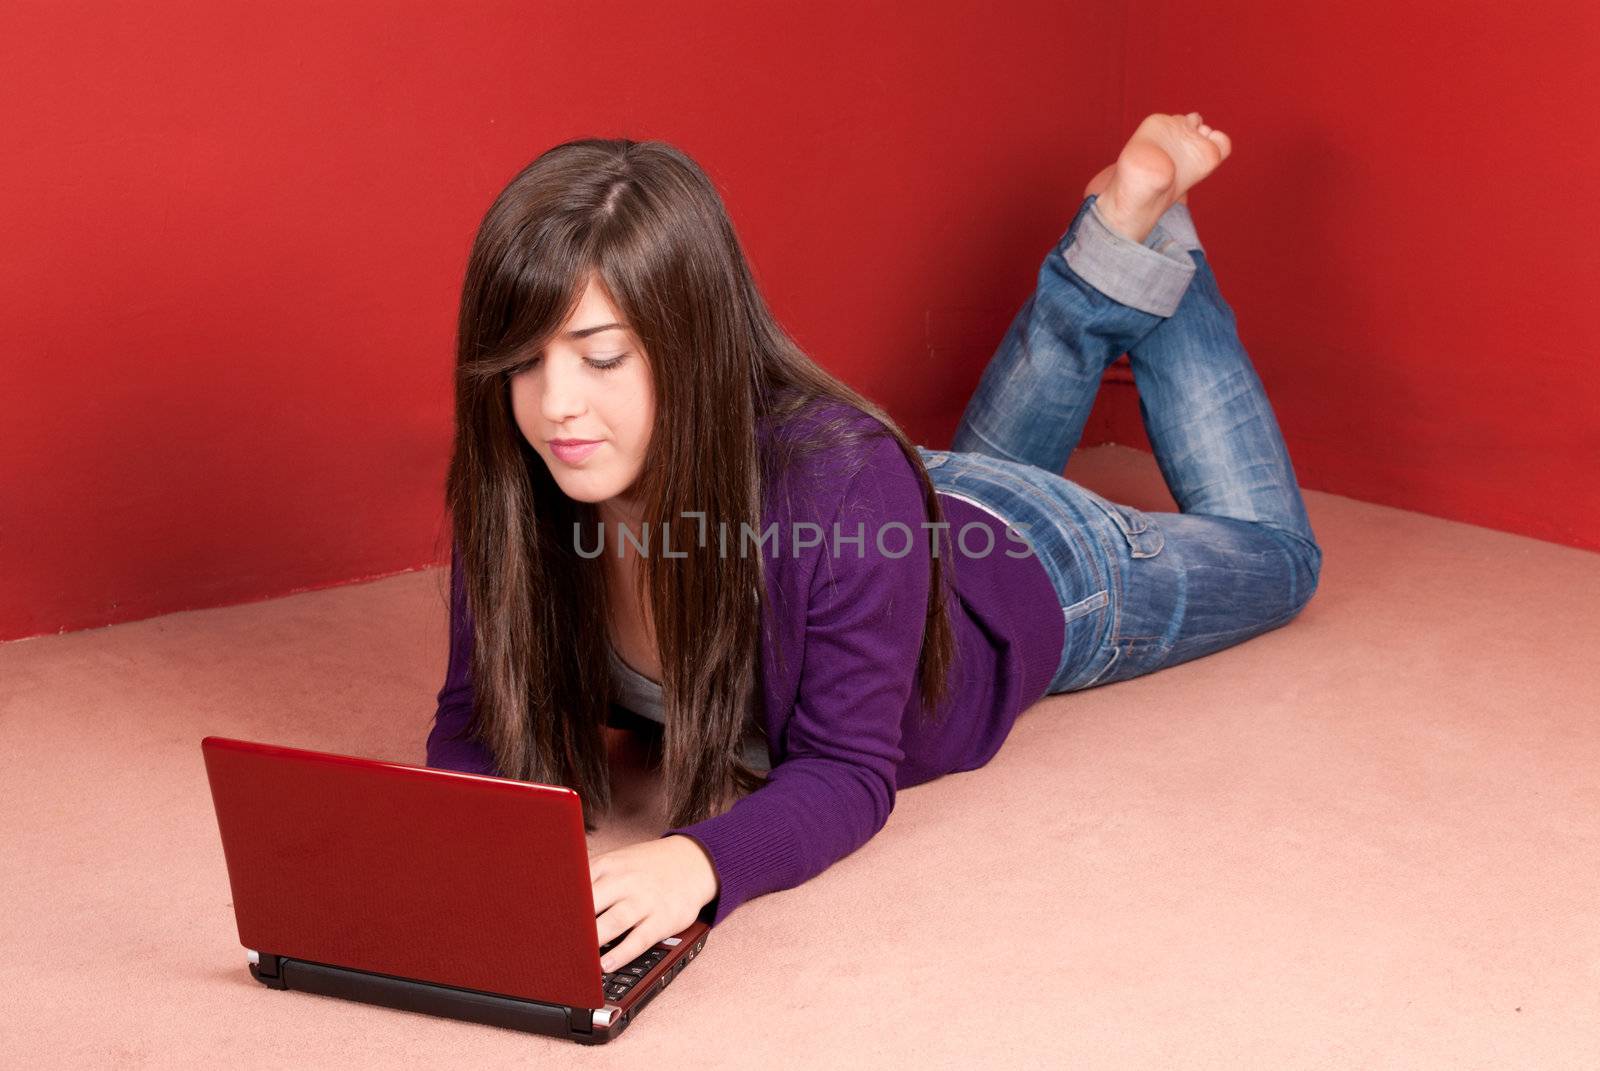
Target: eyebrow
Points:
x,y
585,332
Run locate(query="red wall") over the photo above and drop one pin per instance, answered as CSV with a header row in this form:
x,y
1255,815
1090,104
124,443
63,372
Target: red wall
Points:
x,y
233,242
234,239
1408,234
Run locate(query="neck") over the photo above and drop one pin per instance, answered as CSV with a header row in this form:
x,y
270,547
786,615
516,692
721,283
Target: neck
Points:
x,y
619,513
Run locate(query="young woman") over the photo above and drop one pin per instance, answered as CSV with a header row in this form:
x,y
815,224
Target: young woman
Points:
x,y
661,505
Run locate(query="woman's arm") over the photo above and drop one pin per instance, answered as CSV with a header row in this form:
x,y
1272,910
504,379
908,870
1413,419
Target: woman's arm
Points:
x,y
835,787
448,747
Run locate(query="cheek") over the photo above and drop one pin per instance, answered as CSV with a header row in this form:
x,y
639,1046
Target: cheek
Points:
x,y
524,409
641,410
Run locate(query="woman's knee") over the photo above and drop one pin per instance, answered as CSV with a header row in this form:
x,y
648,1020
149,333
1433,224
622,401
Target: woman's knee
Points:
x,y
1306,557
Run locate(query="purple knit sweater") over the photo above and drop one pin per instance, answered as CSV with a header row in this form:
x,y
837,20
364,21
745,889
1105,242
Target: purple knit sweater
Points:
x,y
842,717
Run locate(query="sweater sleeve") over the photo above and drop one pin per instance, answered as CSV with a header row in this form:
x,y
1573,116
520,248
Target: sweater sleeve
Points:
x,y
835,786
449,747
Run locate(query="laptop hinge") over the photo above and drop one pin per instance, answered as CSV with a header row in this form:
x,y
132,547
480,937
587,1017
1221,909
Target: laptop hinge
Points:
x,y
267,968
581,1020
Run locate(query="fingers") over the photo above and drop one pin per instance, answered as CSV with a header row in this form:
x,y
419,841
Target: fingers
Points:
x,y
608,897
641,937
616,913
637,895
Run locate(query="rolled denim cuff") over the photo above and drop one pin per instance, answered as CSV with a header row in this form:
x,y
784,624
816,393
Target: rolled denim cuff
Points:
x,y
1179,225
1150,276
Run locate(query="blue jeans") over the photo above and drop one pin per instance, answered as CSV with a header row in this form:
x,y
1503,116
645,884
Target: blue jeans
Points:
x,y
1139,590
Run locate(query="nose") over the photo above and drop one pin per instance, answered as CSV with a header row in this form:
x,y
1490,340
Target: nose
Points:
x,y
560,391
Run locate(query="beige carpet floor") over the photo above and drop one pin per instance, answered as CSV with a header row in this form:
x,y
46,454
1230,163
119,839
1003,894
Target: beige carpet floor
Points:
x,y
1369,839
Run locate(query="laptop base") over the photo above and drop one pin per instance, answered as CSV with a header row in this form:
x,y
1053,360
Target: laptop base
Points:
x,y
587,1025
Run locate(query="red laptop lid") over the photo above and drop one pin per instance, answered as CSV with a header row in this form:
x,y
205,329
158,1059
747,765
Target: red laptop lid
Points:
x,y
454,878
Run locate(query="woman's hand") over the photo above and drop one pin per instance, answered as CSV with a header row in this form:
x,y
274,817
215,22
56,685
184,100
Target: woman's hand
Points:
x,y
656,888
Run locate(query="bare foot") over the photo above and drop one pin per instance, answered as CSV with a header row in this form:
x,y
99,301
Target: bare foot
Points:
x,y
1103,179
1166,156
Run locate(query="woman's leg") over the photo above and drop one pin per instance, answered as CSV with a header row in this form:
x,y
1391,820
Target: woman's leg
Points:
x,y
1035,395
1240,558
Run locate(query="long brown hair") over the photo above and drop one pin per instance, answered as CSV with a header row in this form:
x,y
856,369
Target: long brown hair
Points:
x,y
647,221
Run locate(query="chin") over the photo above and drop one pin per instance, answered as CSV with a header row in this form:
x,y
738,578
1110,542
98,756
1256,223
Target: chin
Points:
x,y
587,487
586,493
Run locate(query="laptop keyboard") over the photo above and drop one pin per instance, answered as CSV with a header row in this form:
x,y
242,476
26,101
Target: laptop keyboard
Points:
x,y
621,980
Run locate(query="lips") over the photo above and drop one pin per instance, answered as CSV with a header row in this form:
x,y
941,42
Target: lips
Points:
x,y
572,451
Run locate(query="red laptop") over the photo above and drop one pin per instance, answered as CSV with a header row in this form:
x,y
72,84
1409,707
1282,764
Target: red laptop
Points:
x,y
428,890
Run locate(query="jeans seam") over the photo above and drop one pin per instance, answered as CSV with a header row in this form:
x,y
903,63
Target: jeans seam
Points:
x,y
1116,656
1247,631
999,453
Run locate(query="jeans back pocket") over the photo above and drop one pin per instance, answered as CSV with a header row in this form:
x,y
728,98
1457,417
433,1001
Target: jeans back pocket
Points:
x,y
1145,540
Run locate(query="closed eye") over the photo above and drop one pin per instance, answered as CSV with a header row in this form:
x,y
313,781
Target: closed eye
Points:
x,y
605,365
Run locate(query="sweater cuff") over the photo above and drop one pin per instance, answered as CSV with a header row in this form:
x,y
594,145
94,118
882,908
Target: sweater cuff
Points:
x,y
752,849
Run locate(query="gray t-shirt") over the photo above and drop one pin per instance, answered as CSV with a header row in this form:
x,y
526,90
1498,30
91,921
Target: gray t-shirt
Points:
x,y
643,696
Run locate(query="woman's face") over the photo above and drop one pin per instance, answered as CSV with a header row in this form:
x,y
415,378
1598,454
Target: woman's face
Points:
x,y
592,384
